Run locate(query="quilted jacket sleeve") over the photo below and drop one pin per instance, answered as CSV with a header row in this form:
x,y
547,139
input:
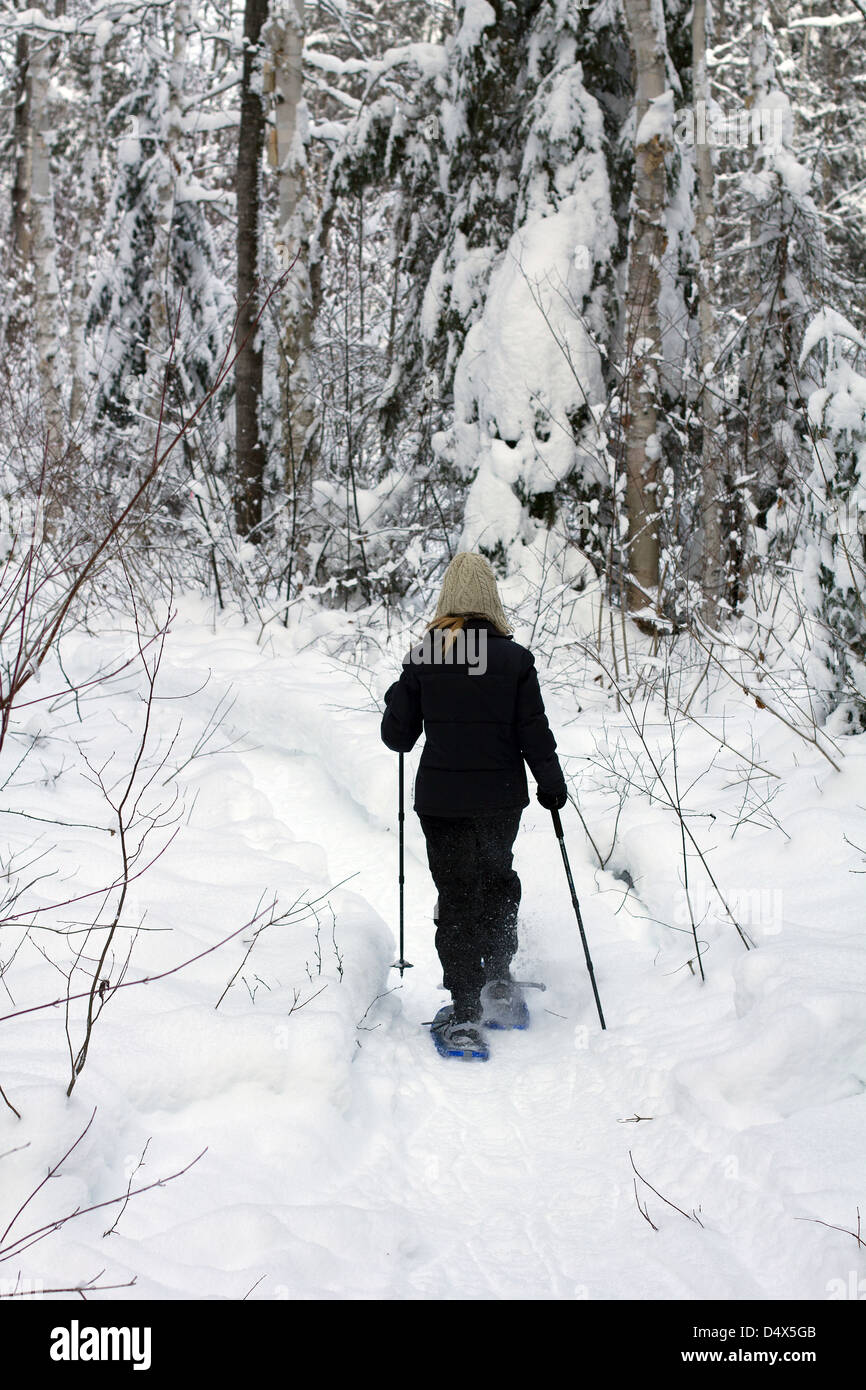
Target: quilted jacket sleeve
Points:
x,y
402,722
537,743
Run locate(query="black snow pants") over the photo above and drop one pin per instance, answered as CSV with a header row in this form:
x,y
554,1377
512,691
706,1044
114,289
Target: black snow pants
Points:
x,y
479,894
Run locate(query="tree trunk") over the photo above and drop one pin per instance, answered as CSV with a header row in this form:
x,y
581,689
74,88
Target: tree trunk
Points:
x,y
249,448
19,226
20,233
712,464
647,241
48,308
160,332
756,329
87,223
287,154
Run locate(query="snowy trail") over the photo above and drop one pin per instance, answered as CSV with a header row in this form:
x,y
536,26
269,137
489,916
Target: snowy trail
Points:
x,y
345,1159
513,1179
494,1173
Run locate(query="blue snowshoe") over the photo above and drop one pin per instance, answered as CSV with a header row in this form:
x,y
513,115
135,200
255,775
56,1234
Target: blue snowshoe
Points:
x,y
504,1005
458,1038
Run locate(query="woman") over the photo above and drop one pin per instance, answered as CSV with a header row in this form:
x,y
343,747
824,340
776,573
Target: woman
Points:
x,y
475,693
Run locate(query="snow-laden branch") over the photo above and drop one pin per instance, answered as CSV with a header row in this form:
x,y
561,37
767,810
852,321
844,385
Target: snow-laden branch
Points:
x,y
35,20
429,58
824,325
827,21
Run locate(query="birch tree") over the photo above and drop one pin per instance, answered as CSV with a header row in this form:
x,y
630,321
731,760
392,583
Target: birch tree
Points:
x,y
759,88
48,308
169,163
712,472
250,453
88,221
287,155
647,241
22,146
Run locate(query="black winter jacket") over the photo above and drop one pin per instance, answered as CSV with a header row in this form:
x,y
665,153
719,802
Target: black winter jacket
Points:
x,y
479,726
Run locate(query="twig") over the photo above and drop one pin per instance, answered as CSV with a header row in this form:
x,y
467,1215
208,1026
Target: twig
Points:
x,y
383,995
855,1235
48,1175
254,1286
11,1107
643,1209
140,1164
163,974
694,1216
24,1242
88,1286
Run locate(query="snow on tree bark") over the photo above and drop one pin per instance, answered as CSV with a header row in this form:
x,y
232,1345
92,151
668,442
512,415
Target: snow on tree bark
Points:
x,y
88,222
48,310
19,225
295,219
515,305
712,469
647,242
165,196
250,456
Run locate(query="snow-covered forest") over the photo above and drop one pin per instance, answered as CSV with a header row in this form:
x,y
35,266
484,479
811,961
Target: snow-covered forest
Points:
x,y
300,301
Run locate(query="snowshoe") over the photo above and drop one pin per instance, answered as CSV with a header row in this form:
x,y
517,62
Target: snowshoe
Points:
x,y
504,1005
458,1038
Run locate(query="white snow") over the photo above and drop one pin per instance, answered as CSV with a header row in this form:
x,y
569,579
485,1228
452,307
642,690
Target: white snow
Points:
x,y
477,15
824,324
528,385
657,121
344,1159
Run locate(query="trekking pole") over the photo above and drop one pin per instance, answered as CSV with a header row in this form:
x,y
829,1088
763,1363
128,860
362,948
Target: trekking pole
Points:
x,y
401,964
557,825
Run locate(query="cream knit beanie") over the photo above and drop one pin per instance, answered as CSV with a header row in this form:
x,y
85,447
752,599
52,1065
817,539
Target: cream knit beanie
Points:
x,y
469,588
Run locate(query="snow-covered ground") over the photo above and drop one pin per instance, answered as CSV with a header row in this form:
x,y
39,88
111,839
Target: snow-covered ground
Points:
x,y
704,1146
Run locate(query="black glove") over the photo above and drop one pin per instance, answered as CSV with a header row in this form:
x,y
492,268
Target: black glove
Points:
x,y
552,800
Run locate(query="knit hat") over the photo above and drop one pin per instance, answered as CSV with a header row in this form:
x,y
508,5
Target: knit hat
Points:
x,y
469,588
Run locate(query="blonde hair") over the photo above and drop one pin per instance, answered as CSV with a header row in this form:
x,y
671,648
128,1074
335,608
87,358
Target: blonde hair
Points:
x,y
454,624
